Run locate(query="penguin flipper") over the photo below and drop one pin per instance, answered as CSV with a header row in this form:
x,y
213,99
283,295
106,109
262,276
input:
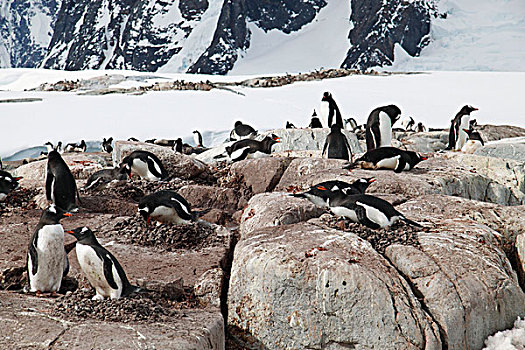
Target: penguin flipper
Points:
x,y
363,219
410,222
49,184
401,163
156,169
34,255
182,208
376,133
108,270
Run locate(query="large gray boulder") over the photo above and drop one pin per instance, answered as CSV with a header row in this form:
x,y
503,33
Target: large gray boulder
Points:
x,y
304,287
504,150
259,175
424,142
176,164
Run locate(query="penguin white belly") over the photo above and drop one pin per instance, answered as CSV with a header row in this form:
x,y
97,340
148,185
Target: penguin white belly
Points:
x,y
320,202
140,168
167,215
385,128
93,268
462,136
388,163
257,155
3,196
51,260
239,154
375,215
324,110
345,212
471,146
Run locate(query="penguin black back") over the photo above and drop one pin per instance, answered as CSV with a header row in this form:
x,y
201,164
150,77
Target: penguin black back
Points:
x,y
379,126
241,149
334,115
337,144
315,122
146,165
178,145
389,158
61,187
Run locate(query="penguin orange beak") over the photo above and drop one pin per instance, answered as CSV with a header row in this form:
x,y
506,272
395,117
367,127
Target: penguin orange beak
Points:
x,y
277,139
147,221
465,130
18,178
322,188
424,158
71,232
372,180
68,214
475,109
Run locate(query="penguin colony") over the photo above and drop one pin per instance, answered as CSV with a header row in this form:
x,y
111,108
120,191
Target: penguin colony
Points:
x,y
47,260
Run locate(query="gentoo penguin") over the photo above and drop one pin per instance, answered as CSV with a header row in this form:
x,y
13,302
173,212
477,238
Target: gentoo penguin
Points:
x,y
388,158
242,131
351,124
167,207
59,148
146,165
105,176
8,183
379,126
474,142
61,187
315,122
408,124
49,146
106,145
197,138
46,257
457,136
338,147
330,111
178,145
252,148
73,147
319,194
133,139
101,268
473,123
290,125
420,127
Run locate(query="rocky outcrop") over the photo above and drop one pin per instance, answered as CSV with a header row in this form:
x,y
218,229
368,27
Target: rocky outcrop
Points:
x,y
301,286
259,175
504,150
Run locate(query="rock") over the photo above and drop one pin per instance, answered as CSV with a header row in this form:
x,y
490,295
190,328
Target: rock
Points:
x,y
465,280
425,142
201,196
259,175
505,150
300,286
209,286
176,164
273,209
499,132
82,166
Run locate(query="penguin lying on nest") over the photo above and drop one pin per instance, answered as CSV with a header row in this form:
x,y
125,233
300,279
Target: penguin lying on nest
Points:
x,y
316,196
73,147
146,165
105,176
8,183
167,207
248,148
367,210
387,158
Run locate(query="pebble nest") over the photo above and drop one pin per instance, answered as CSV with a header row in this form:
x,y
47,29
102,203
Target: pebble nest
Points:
x,y
399,233
22,198
142,306
170,237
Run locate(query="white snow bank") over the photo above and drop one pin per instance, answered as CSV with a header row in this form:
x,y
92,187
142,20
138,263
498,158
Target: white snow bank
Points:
x,y
510,339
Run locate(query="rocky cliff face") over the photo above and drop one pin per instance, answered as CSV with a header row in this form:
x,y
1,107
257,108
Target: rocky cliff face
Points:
x,y
196,36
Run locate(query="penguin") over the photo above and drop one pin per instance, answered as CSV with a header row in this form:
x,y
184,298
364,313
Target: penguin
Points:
x,y
146,165
242,131
197,138
388,158
473,123
59,148
61,187
73,147
247,148
106,145
8,183
329,110
178,145
133,139
420,127
318,194
379,126
337,143
315,122
105,176
46,257
457,136
290,125
351,124
408,124
101,268
167,207
474,142
49,146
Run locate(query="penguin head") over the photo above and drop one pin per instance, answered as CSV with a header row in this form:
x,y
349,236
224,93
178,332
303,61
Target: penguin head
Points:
x,y
326,96
237,123
82,233
335,128
196,132
53,155
314,114
124,169
53,214
420,157
393,112
467,109
145,211
361,184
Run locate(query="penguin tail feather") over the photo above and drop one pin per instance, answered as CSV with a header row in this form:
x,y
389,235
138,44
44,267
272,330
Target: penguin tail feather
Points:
x,y
410,222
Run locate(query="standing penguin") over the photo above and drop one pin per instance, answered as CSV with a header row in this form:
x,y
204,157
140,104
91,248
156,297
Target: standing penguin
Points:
x,y
101,268
146,165
46,257
106,145
315,122
242,131
177,147
197,138
351,124
338,147
8,183
167,207
329,109
61,187
379,126
457,136
474,142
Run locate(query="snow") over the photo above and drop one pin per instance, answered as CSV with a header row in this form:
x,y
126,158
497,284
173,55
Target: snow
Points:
x,y
486,35
511,339
40,26
322,43
433,98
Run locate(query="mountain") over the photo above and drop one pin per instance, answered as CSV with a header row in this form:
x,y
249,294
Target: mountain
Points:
x,y
260,36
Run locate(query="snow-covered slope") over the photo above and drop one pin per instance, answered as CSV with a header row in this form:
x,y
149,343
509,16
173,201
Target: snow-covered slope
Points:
x,y
432,98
